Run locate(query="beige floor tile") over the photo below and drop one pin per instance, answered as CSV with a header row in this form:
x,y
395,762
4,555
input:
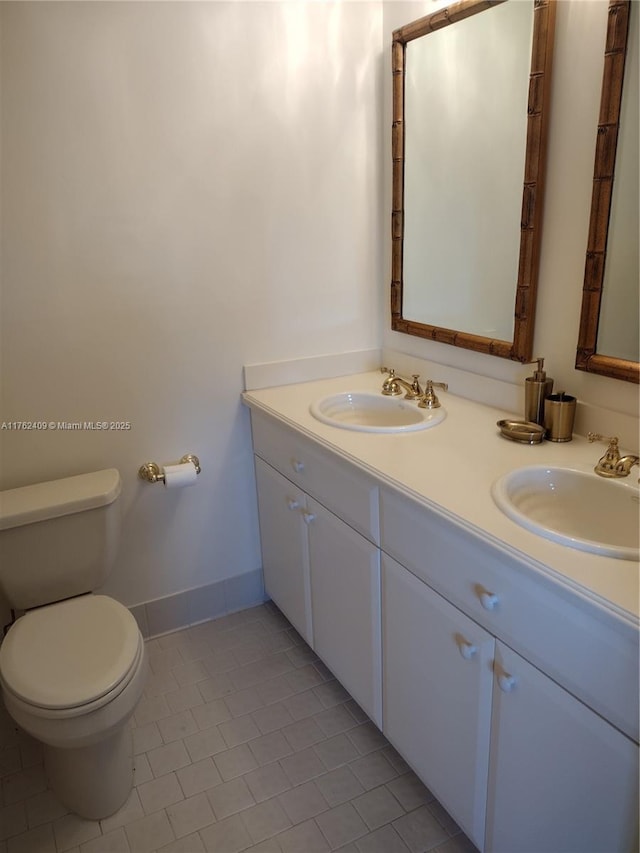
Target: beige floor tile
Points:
x,y
373,770
272,717
336,751
189,844
113,842
238,730
303,837
205,743
164,759
211,714
43,808
268,748
244,702
149,833
13,820
339,786
266,782
302,766
230,798
420,831
303,802
198,777
335,720
40,839
159,793
409,791
341,825
235,762
132,810
383,840
304,704
229,835
190,815
71,830
378,807
177,726
303,733
265,820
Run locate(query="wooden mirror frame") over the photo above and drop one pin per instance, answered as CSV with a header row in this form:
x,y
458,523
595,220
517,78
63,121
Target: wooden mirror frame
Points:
x,y
520,349
587,357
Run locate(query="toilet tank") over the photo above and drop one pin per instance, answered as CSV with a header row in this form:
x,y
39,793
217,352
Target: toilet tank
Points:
x,y
58,539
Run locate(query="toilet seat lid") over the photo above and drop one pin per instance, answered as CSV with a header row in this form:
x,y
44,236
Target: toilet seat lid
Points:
x,y
71,653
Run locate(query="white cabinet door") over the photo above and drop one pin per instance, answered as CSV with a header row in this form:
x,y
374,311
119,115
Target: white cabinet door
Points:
x,y
345,592
285,557
437,684
561,778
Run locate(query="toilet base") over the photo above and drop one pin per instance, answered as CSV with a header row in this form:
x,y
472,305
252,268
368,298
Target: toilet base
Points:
x,y
93,781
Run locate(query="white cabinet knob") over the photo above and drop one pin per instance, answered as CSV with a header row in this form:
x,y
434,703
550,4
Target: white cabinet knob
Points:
x,y
297,465
467,650
308,517
489,600
293,504
506,682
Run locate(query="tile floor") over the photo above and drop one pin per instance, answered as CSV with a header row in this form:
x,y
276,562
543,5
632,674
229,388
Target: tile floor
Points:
x,y
243,742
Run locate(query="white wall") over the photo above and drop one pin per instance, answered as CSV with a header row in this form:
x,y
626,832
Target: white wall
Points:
x,y
186,188
575,99
190,187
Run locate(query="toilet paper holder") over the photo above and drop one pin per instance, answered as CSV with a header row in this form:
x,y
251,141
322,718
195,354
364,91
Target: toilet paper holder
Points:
x,y
153,473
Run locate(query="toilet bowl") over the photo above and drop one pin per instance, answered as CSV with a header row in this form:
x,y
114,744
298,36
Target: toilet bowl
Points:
x,y
72,667
71,675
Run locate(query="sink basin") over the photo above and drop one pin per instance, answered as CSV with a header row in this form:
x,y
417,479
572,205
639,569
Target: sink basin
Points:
x,y
574,508
368,412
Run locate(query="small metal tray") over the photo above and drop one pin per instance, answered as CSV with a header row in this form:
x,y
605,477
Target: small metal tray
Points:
x,y
525,432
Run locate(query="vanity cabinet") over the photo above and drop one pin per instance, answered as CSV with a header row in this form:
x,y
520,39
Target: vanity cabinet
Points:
x,y
559,775
547,770
321,570
513,697
437,693
283,535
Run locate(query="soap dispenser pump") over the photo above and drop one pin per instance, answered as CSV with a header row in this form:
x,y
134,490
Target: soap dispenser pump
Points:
x,y
536,389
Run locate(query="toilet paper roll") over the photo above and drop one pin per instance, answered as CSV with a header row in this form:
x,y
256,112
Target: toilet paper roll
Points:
x,y
178,476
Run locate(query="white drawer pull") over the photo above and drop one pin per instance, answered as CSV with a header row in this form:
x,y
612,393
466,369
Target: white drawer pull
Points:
x,y
297,465
467,650
489,600
293,504
308,517
506,682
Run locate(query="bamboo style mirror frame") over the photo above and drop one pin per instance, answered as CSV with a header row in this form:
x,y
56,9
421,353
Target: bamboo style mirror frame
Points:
x,y
520,347
603,179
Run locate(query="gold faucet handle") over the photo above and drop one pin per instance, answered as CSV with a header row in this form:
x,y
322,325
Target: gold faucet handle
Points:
x,y
606,465
390,387
610,440
429,399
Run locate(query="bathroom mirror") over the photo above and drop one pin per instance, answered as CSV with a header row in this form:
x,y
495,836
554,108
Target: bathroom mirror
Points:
x,y
609,337
470,105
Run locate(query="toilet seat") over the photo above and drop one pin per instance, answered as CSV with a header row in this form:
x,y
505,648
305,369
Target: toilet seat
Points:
x,y
72,657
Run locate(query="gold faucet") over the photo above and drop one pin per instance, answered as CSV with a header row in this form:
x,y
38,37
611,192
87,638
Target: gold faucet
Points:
x,y
393,385
429,399
612,464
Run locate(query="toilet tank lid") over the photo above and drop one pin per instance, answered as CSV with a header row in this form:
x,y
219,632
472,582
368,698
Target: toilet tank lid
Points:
x,y
55,498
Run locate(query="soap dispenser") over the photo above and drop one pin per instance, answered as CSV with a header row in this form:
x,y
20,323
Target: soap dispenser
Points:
x,y
536,389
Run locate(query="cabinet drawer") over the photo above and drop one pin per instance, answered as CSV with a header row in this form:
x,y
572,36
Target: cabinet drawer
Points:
x,y
336,484
589,651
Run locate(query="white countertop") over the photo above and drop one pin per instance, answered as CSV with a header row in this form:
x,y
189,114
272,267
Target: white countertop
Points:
x,y
452,466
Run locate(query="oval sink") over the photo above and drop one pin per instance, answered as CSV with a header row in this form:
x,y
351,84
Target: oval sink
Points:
x,y
368,412
574,508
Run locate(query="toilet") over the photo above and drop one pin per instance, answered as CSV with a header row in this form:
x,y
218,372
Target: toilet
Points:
x,y
72,667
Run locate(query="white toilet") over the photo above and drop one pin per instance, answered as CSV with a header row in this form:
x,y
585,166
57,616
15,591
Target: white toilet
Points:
x,y
72,667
